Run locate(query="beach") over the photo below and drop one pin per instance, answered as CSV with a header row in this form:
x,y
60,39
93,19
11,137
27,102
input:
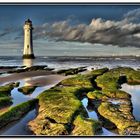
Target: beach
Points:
x,y
58,93
43,79
39,76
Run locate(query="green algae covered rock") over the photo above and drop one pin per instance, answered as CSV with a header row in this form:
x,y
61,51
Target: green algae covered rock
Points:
x,y
115,77
83,80
116,94
71,71
86,127
32,68
57,114
60,106
122,120
110,82
62,113
4,101
5,92
27,89
98,72
6,89
96,95
79,80
16,112
57,110
47,126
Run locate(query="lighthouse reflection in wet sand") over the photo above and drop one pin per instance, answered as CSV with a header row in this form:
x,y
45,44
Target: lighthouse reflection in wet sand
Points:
x,y
28,42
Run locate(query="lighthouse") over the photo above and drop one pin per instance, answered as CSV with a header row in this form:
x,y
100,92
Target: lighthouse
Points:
x,y
28,42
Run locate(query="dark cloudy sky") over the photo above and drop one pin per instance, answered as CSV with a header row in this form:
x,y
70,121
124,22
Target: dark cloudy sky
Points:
x,y
108,25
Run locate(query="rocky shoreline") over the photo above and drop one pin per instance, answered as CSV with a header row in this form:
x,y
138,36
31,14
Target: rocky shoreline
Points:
x,y
60,110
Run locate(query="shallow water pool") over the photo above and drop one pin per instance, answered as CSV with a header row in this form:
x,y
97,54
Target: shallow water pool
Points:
x,y
93,115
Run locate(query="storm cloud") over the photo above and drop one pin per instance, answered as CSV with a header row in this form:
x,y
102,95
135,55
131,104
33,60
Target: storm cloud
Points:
x,y
123,33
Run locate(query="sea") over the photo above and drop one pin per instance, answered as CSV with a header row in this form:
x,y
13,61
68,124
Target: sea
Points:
x,y
65,62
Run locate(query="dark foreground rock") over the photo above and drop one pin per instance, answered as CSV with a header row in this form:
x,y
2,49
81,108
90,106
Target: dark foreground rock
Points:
x,y
26,90
6,89
5,94
16,112
32,68
72,71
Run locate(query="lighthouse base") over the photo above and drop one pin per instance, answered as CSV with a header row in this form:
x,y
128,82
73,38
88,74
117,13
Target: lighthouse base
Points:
x,y
28,56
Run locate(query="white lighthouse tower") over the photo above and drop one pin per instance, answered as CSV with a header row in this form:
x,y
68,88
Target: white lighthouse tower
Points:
x,y
28,42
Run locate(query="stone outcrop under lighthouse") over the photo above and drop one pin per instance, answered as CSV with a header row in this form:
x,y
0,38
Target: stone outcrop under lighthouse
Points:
x,y
28,42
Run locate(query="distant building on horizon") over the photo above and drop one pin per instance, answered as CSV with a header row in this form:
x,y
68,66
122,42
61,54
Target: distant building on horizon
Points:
x,y
28,40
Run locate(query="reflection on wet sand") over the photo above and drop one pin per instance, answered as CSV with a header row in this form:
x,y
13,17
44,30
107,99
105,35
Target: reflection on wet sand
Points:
x,y
28,62
26,83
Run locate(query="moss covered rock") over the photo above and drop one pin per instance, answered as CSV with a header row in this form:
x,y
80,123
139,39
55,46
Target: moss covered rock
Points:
x,y
122,120
71,71
86,127
5,101
47,126
60,106
5,93
96,95
6,89
16,112
86,80
32,68
57,109
27,89
79,80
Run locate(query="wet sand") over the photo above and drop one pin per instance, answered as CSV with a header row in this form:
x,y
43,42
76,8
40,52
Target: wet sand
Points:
x,y
45,80
18,76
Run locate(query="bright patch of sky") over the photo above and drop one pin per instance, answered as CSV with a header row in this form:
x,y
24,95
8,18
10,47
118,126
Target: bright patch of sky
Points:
x,y
65,48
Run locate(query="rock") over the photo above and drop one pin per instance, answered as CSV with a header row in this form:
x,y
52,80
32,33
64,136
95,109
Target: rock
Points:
x,y
62,113
8,67
122,121
16,112
6,89
27,89
86,127
32,68
60,106
5,101
43,126
96,95
71,71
